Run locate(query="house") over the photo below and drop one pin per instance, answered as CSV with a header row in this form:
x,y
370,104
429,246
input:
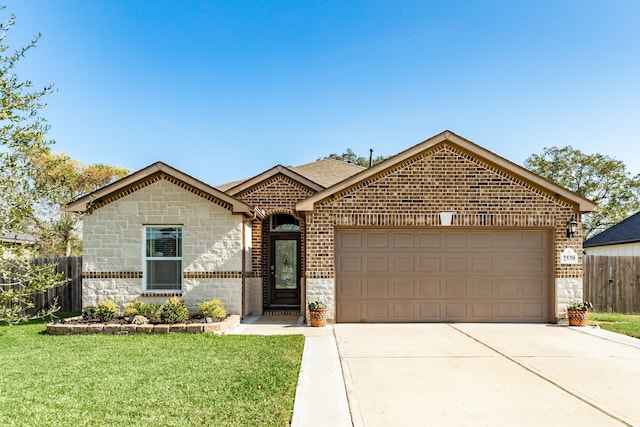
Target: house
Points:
x,y
622,239
17,239
443,231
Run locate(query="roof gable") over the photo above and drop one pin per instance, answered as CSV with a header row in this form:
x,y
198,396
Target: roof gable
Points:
x,y
316,175
470,149
148,175
274,171
626,231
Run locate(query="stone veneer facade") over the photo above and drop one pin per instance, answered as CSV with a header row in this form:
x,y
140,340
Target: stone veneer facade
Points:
x,y
212,246
414,192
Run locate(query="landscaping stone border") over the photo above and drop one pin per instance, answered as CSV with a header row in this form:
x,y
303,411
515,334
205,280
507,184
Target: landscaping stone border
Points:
x,y
217,328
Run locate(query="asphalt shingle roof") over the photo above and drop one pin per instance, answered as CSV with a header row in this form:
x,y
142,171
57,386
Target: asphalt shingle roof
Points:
x,y
327,172
324,172
626,231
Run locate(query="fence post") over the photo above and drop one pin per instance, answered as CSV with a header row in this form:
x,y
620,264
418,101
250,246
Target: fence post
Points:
x,y
609,287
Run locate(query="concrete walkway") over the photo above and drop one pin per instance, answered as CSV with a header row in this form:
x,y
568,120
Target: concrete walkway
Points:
x,y
320,399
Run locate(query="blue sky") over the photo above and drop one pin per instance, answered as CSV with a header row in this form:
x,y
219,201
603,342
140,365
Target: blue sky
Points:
x,y
224,90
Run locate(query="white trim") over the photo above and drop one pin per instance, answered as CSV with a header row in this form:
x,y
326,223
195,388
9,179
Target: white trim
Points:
x,y
145,258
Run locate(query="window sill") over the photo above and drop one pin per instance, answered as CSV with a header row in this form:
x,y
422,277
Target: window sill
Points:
x,y
162,293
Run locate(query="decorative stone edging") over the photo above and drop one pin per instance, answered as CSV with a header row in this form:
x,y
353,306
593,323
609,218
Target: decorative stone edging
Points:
x,y
217,328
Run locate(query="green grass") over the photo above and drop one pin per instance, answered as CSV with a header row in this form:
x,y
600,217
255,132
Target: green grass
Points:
x,y
146,380
627,324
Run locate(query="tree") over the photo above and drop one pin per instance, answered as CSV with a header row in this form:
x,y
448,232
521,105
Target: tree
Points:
x,y
63,180
350,157
22,133
599,178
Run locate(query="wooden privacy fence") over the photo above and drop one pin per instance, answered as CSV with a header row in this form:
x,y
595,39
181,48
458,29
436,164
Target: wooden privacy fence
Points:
x,y
69,295
612,283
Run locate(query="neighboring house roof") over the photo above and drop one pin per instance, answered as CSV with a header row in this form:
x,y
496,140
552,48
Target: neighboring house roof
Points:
x,y
465,145
131,182
321,174
626,231
19,238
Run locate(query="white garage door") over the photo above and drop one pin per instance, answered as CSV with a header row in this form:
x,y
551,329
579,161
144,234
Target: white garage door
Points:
x,y
422,275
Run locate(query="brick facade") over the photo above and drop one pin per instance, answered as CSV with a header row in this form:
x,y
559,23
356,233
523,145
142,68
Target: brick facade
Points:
x,y
226,254
276,195
443,178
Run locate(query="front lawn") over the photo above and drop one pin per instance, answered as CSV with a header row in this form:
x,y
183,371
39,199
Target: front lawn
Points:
x,y
146,380
628,324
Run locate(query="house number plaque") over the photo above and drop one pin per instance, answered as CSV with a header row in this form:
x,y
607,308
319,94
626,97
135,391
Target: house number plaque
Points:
x,y
568,256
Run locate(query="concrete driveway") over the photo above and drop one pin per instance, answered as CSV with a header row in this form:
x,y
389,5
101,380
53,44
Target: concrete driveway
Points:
x,y
488,375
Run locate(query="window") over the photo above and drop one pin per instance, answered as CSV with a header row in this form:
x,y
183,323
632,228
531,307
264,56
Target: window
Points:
x,y
163,258
282,222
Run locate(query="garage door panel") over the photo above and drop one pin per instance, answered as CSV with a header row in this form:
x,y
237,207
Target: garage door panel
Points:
x,y
481,288
403,240
507,311
481,263
429,312
532,310
375,288
455,311
533,264
481,240
455,240
376,264
508,240
403,288
507,287
507,264
534,241
403,311
454,287
428,264
349,287
455,263
350,239
376,311
351,312
429,240
350,264
403,263
480,312
533,288
428,288
377,240
399,275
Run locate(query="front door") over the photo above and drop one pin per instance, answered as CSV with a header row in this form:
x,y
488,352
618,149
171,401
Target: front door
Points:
x,y
284,288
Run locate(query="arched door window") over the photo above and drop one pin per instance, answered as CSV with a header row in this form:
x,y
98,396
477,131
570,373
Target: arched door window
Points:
x,y
284,222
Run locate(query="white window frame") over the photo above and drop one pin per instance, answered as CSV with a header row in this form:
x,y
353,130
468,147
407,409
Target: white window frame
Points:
x,y
146,258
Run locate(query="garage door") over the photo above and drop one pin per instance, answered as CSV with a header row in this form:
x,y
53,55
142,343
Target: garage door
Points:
x,y
399,275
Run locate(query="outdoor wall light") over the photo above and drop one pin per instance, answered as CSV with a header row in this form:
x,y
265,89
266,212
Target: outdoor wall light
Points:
x,y
572,226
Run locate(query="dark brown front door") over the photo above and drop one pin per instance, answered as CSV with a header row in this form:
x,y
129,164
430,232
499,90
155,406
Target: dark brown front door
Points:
x,y
284,286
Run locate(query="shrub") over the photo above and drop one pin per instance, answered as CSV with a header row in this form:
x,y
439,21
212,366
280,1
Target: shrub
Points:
x,y
150,310
212,308
89,312
174,310
106,310
134,308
